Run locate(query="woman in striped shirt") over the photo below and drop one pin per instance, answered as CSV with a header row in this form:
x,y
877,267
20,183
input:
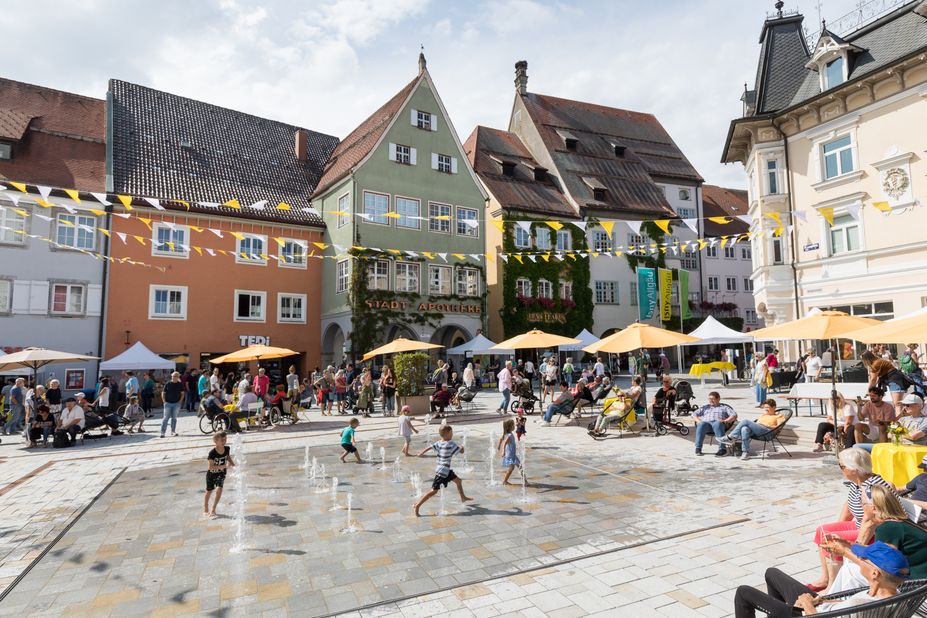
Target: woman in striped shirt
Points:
x,y
856,465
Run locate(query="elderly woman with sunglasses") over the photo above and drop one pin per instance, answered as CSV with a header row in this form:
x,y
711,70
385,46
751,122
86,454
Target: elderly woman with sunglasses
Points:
x,y
856,466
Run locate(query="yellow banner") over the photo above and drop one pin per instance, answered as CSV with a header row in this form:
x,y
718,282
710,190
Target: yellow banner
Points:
x,y
666,294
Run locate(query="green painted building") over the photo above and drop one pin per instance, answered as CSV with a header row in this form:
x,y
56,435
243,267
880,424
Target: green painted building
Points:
x,y
405,217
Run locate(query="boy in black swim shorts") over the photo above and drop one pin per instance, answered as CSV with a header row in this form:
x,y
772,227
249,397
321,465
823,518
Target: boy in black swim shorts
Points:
x,y
220,460
445,449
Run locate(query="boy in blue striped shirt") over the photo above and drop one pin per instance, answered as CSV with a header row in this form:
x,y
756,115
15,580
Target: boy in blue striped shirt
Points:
x,y
445,450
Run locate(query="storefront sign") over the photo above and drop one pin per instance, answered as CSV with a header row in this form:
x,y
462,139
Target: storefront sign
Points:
x,y
548,317
812,246
73,379
246,340
401,305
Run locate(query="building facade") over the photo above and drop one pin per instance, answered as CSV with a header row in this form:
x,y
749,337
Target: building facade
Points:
x,y
727,268
51,286
613,164
221,215
832,141
547,289
403,211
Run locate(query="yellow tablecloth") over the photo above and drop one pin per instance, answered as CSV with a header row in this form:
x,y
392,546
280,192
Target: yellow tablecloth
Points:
x,y
703,369
897,464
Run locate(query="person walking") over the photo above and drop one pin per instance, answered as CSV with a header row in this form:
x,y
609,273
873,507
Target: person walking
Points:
x,y
173,396
504,379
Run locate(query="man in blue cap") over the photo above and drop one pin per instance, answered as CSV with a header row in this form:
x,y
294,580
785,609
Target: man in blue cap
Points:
x,y
883,566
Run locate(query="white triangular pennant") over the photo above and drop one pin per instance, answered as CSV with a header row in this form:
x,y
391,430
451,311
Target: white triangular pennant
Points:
x,y
172,226
210,251
504,257
41,216
258,205
101,197
44,191
533,258
123,215
801,215
580,224
154,202
692,224
525,225
635,226
748,219
475,256
412,254
471,223
853,210
122,236
443,256
13,197
339,248
216,232
209,204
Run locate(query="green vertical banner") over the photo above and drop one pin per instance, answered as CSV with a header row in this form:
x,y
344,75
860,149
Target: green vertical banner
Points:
x,y
646,292
666,294
684,294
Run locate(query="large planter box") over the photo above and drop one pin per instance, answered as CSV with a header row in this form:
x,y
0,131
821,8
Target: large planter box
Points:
x,y
419,404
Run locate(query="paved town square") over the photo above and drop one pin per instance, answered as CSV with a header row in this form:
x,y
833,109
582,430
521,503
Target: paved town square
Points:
x,y
637,523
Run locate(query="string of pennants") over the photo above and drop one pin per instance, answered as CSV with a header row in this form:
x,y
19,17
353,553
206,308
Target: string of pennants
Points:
x,y
359,252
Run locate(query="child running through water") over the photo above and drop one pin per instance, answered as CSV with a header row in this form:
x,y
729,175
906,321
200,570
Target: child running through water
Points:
x,y
406,429
348,442
220,460
445,449
506,449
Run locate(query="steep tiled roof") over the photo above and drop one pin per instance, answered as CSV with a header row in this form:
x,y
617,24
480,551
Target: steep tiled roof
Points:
x,y
485,149
361,140
167,146
721,202
13,124
54,110
783,81
629,179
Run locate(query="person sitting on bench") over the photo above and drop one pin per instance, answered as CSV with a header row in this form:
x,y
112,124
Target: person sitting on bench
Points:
x,y
583,394
440,400
72,419
42,426
562,404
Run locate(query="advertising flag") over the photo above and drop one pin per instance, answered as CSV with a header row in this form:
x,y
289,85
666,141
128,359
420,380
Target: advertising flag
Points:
x,y
646,292
666,294
684,294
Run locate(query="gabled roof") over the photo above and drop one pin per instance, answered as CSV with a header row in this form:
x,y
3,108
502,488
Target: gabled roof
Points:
x,y
722,202
65,113
629,179
171,147
487,147
362,140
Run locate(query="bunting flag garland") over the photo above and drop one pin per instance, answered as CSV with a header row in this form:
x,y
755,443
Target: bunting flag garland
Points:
x,y
556,225
126,201
883,206
828,214
606,225
663,224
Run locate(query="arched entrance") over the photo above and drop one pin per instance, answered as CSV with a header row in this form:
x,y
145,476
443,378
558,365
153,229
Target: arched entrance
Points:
x,y
395,331
610,331
450,336
333,341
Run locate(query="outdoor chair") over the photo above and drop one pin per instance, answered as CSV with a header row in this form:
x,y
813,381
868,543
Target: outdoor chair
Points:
x,y
769,439
911,595
568,412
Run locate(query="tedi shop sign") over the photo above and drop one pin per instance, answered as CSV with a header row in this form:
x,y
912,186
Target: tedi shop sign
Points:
x,y
246,340
401,305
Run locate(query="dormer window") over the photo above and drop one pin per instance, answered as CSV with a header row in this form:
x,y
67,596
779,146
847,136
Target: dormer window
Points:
x,y
599,190
570,143
598,195
540,174
833,73
508,168
619,151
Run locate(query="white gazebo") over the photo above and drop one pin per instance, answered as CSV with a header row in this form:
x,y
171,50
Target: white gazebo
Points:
x,y
478,345
586,339
137,358
711,332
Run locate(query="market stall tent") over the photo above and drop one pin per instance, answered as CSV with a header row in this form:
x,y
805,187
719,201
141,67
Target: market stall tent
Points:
x,y
478,345
711,332
137,358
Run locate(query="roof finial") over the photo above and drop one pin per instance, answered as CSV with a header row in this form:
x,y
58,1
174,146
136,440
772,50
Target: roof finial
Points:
x,y
779,6
422,65
823,25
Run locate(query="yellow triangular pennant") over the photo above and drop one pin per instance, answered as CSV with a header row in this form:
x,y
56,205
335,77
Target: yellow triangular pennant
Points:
x,y
238,235
702,243
720,220
518,257
283,206
98,213
572,256
607,226
499,223
320,245
44,204
19,185
459,256
828,213
556,225
147,222
883,206
233,203
65,222
428,255
663,224
140,239
490,257
775,217
396,251
104,231
126,201
74,194
393,215
545,257
199,250
280,242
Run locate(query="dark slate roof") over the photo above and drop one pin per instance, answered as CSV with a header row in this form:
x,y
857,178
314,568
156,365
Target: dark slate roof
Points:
x,y
361,140
486,147
782,81
781,69
629,180
722,202
170,147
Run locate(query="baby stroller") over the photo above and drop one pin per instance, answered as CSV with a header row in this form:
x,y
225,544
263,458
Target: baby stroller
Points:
x,y
619,412
350,400
684,396
524,398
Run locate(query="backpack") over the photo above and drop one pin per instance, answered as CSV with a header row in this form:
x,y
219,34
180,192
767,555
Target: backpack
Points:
x,y
907,363
61,440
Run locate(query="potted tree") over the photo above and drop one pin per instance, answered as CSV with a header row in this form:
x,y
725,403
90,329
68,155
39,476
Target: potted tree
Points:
x,y
411,369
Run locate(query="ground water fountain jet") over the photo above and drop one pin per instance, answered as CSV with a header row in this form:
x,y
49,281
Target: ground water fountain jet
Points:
x,y
442,509
492,459
350,527
397,469
368,453
383,465
241,487
416,480
320,485
335,505
306,460
466,458
525,498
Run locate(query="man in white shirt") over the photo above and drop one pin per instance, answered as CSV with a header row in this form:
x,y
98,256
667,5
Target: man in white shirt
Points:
x,y
72,418
244,384
813,366
599,367
214,380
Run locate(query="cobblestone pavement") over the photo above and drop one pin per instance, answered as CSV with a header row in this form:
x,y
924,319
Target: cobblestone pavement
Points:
x,y
637,523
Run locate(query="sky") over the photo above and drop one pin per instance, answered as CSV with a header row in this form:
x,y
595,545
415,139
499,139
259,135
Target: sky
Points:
x,y
327,64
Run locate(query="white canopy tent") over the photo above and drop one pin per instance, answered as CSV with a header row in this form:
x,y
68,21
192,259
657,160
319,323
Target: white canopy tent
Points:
x,y
478,345
711,332
136,358
586,339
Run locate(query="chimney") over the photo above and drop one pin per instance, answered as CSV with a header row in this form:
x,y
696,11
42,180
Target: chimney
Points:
x,y
521,77
302,144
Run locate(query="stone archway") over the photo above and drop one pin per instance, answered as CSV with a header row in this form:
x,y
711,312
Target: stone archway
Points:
x,y
451,335
395,331
333,342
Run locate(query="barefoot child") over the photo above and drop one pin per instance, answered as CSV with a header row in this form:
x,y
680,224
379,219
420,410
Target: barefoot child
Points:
x,y
348,442
506,449
521,424
445,449
406,429
220,459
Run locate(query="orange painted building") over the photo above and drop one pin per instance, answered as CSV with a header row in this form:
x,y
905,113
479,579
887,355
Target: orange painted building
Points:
x,y
220,274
